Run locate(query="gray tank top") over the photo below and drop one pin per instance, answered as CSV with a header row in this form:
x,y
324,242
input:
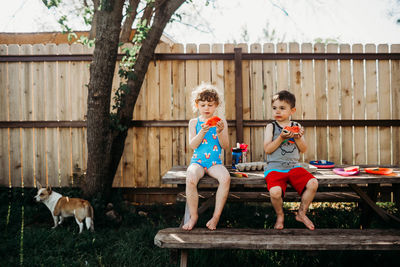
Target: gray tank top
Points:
x,y
287,155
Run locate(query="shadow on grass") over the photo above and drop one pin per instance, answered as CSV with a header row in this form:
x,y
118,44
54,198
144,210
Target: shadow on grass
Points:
x,y
28,240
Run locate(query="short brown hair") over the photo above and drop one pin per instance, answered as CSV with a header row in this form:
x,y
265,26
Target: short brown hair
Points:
x,y
286,96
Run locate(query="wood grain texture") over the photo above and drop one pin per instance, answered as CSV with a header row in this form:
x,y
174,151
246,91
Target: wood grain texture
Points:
x,y
325,89
286,239
177,175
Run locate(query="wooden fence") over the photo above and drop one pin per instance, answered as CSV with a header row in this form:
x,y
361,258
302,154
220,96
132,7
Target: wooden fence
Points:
x,y
348,99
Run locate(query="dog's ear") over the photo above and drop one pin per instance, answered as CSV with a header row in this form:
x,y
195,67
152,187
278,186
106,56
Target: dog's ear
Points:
x,y
38,185
48,188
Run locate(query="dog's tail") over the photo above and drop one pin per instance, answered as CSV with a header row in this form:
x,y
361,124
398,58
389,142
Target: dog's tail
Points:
x,y
90,219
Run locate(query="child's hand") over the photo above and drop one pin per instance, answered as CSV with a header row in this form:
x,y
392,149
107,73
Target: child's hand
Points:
x,y
205,128
220,126
299,134
285,134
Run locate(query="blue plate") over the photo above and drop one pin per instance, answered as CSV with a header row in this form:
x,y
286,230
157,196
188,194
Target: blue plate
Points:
x,y
323,164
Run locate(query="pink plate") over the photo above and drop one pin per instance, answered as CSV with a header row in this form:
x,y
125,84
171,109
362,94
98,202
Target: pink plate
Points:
x,y
342,172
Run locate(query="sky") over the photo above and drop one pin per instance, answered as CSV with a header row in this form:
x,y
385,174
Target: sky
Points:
x,y
343,21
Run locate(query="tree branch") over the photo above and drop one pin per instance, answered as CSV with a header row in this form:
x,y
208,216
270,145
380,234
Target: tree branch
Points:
x,y
125,112
92,33
129,19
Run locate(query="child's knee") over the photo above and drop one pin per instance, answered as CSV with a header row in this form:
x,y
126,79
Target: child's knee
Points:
x,y
225,179
275,192
191,179
312,184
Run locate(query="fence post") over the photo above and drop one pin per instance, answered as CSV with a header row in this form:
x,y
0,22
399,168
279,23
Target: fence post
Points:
x,y
238,95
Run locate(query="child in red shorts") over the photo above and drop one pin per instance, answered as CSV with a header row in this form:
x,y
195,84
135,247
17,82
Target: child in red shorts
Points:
x,y
283,150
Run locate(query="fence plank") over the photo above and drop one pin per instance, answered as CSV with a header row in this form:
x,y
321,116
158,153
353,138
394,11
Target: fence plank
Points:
x,y
15,109
295,81
229,96
257,105
153,141
64,98
27,141
359,107
372,103
282,69
178,112
50,74
4,116
141,146
165,114
204,65
333,106
77,89
346,106
269,80
396,103
217,67
385,108
39,111
320,103
246,103
308,100
217,78
192,81
128,168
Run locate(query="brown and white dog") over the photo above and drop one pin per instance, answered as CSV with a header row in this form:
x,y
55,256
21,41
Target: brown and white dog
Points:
x,y
62,207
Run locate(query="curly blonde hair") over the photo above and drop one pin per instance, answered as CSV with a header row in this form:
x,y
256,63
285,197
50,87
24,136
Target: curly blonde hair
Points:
x,y
208,92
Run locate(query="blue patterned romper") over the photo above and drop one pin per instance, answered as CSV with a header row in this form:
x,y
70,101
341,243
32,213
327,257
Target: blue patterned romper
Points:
x,y
208,153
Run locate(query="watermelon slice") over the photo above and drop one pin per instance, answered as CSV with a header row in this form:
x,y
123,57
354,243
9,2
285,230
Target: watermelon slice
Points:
x,y
352,169
293,129
213,121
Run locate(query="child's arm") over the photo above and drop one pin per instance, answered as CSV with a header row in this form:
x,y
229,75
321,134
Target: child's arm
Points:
x,y
271,145
300,141
222,132
195,139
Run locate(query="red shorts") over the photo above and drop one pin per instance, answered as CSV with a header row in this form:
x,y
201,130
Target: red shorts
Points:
x,y
298,177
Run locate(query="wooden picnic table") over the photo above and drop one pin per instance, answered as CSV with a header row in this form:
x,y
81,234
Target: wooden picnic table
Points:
x,y
326,178
364,185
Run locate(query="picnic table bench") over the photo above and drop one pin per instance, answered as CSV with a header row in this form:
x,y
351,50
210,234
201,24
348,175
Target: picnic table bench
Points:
x,y
361,188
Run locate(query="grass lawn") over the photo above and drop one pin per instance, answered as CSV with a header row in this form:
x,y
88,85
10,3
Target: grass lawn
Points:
x,y
28,240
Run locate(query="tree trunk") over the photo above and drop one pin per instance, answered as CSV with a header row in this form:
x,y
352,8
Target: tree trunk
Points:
x,y
99,135
105,146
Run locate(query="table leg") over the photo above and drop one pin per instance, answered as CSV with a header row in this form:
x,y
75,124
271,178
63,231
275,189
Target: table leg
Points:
x,y
380,212
367,212
184,258
396,195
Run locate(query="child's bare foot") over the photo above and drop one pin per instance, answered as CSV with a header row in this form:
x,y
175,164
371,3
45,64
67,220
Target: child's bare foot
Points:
x,y
304,219
190,224
212,223
279,223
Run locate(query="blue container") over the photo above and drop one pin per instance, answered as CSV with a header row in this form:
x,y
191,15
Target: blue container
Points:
x,y
236,157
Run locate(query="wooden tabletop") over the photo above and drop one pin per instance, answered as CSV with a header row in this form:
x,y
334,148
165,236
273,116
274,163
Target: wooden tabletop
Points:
x,y
177,175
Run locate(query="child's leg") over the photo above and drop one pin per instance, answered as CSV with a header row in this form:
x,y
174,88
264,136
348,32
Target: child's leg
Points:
x,y
194,173
306,199
277,202
220,173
